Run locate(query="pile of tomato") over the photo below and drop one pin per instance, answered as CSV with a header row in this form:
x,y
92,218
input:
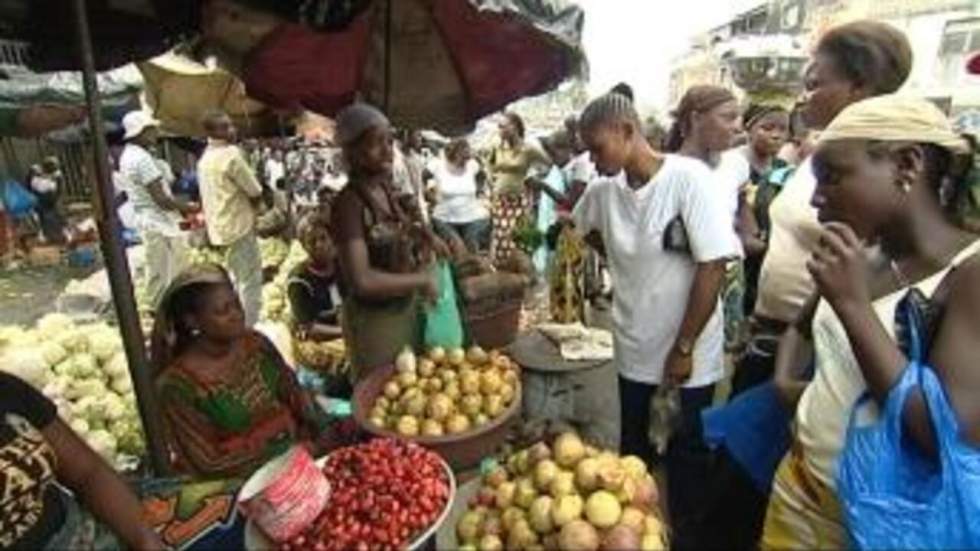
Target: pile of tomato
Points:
x,y
383,495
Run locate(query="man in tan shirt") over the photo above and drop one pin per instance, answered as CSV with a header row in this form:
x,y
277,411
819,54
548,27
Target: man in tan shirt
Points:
x,y
230,195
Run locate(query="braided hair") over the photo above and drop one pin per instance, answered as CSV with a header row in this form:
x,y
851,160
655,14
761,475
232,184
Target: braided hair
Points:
x,y
697,99
608,108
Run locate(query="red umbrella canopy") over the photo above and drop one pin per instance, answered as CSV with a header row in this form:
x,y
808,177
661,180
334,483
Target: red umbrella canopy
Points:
x,y
429,63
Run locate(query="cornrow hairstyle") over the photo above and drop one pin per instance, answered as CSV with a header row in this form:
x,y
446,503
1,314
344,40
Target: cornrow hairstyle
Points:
x,y
697,99
870,54
606,109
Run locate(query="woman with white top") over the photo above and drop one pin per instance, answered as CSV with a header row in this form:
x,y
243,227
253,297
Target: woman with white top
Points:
x,y
667,241
460,212
705,124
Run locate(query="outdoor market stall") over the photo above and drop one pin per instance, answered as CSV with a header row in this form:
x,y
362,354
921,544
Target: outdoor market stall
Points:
x,y
551,30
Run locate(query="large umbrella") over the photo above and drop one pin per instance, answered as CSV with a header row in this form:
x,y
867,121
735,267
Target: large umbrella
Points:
x,y
179,91
430,63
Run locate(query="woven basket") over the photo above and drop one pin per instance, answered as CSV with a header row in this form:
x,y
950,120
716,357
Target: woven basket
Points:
x,y
491,308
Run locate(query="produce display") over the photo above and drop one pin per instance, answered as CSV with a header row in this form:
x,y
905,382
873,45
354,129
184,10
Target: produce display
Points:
x,y
83,370
568,496
383,495
446,392
205,255
273,251
275,303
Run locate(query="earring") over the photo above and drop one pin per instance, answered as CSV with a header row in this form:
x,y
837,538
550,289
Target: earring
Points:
x,y
195,332
906,188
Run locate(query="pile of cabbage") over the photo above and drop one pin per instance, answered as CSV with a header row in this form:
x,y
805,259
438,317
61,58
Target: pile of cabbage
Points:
x,y
275,303
83,370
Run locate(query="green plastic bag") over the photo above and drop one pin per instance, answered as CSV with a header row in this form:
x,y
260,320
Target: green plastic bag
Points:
x,y
443,326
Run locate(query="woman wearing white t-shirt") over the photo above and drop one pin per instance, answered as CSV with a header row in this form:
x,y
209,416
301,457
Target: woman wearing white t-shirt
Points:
x,y
667,241
459,212
705,124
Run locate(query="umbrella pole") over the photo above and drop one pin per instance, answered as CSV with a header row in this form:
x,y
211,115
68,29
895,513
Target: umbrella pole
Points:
x,y
114,253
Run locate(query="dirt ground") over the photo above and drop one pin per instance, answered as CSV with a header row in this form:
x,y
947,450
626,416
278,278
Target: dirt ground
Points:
x,y
29,292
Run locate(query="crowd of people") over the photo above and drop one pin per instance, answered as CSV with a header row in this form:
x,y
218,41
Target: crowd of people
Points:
x,y
790,238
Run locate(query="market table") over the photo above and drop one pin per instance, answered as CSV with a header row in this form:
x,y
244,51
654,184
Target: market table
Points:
x,y
581,394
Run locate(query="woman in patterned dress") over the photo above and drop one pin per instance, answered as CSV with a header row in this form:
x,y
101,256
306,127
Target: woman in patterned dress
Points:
x,y
510,164
230,403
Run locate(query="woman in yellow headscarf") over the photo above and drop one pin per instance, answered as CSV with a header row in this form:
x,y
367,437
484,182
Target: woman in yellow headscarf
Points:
x,y
889,171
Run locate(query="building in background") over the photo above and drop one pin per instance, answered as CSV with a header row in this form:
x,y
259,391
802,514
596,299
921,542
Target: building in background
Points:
x,y
763,50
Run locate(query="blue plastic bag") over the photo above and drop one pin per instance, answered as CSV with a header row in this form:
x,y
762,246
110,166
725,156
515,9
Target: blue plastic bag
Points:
x,y
893,496
443,326
754,428
18,201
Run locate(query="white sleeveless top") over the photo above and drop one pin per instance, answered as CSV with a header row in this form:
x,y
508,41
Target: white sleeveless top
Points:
x,y
825,407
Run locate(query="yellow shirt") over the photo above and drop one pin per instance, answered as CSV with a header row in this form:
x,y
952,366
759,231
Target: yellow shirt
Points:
x,y
228,187
510,166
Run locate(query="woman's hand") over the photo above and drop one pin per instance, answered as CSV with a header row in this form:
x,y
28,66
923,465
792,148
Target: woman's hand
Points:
x,y
430,287
678,367
839,267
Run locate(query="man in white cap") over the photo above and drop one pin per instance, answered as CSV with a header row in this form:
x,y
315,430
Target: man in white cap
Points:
x,y
157,212
230,195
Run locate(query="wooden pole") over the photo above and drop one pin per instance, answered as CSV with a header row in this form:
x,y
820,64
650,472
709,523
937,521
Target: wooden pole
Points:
x,y
114,254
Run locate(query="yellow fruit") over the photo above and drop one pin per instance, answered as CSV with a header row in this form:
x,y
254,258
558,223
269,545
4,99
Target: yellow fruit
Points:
x,y
568,450
456,357
378,422
562,484
437,354
452,391
457,423
506,393
587,474
602,509
476,356
490,382
427,368
481,419
408,379
392,390
566,508
469,382
472,404
416,406
634,466
493,405
407,426
431,427
440,407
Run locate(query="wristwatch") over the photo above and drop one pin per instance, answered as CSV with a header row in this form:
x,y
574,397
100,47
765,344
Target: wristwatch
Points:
x,y
684,346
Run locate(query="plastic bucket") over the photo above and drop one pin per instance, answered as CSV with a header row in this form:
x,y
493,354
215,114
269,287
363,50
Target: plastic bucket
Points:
x,y
286,495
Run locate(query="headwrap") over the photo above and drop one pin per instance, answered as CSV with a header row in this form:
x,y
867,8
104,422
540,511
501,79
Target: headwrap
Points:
x,y
896,118
758,111
165,342
356,119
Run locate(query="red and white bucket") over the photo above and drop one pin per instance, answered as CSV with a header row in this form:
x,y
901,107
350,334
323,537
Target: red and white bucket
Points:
x,y
286,495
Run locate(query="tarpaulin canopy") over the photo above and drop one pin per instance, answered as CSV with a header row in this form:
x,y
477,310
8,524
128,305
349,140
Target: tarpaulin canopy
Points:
x,y
122,30
39,103
179,91
429,63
